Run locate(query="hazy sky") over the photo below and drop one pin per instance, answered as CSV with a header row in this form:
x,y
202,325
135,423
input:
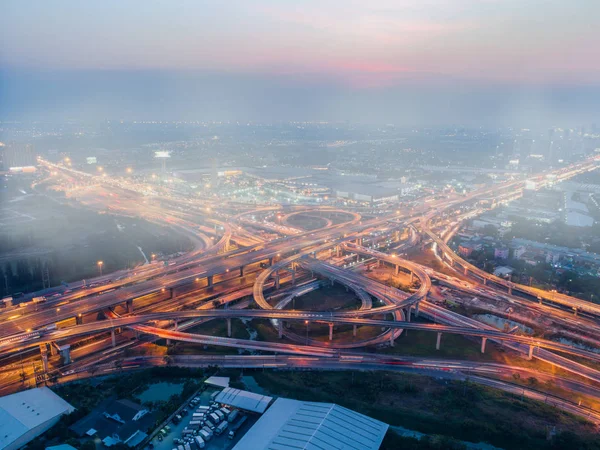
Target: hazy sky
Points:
x,y
323,48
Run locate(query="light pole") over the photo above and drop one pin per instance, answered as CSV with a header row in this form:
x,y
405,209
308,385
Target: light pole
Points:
x,y
306,322
100,264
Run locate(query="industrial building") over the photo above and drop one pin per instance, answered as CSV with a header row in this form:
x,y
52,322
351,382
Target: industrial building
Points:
x,y
27,414
245,400
116,421
312,426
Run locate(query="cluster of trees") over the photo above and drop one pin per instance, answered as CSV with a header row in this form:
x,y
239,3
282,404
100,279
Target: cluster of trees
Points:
x,y
22,275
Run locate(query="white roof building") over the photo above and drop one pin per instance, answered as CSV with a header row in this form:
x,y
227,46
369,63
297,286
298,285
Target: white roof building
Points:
x,y
248,401
27,414
218,381
312,426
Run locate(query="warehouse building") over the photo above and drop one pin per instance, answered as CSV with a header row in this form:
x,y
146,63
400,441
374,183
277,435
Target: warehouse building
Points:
x,y
27,414
312,426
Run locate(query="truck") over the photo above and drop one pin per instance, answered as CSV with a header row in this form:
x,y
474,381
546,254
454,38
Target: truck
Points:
x,y
202,408
196,423
219,413
206,433
234,415
199,441
197,414
187,447
236,426
40,299
214,418
210,424
225,411
222,427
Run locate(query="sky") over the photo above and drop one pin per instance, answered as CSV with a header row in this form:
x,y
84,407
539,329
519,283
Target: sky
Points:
x,y
310,60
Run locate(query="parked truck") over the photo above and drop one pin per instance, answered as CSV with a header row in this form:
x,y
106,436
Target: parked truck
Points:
x,y
234,415
199,441
214,418
236,426
219,413
222,427
206,433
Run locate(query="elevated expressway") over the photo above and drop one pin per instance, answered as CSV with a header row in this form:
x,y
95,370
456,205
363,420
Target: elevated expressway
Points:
x,y
304,244
541,295
28,340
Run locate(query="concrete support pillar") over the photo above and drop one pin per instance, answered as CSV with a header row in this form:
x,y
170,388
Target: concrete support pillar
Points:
x,y
332,282
168,342
466,271
338,251
113,338
271,261
53,350
353,330
483,341
44,352
392,338
129,306
397,269
293,277
276,280
408,313
412,277
510,290
485,281
210,280
331,332
438,341
65,352
79,319
417,309
228,327
172,294
242,271
175,325
530,356
575,311
280,328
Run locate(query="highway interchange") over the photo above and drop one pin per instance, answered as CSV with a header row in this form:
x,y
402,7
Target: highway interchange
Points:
x,y
233,262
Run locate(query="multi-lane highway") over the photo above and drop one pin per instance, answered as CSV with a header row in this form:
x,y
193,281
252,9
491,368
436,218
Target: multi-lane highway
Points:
x,y
282,261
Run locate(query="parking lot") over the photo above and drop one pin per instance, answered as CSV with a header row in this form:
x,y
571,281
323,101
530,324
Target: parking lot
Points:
x,y
221,442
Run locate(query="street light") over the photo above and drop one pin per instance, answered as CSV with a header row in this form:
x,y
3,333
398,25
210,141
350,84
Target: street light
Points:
x,y
306,322
100,264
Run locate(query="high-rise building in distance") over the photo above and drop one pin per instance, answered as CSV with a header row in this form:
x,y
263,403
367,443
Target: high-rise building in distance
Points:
x,y
17,154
